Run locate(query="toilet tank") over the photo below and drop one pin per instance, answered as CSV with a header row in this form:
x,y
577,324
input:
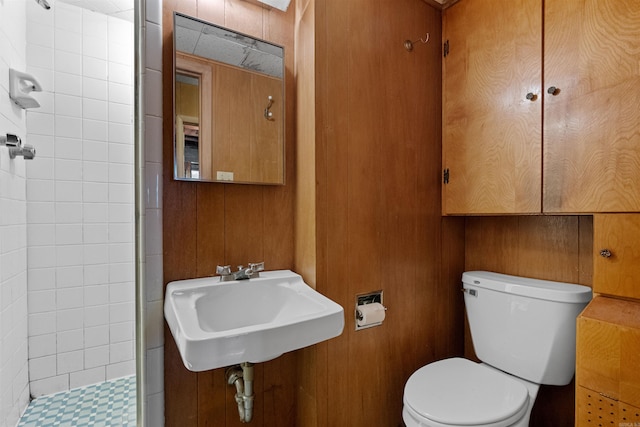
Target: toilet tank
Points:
x,y
523,326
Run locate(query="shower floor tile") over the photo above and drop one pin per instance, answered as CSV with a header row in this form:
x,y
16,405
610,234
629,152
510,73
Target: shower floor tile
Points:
x,y
109,404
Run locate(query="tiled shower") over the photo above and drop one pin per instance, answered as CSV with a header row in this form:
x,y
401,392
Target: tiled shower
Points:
x,y
67,217
80,199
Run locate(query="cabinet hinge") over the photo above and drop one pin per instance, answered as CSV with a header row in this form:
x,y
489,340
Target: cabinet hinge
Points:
x,y
445,176
445,48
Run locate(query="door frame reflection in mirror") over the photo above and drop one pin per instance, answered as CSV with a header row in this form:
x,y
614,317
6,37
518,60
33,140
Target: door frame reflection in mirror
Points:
x,y
240,155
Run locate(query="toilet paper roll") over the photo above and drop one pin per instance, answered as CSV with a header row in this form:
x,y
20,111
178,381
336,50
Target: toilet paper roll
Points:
x,y
370,314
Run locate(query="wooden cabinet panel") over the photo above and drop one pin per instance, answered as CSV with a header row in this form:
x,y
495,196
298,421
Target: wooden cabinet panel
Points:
x,y
500,156
608,349
618,274
591,133
491,131
594,409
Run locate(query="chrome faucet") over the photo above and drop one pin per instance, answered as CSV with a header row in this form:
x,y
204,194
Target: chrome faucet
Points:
x,y
251,272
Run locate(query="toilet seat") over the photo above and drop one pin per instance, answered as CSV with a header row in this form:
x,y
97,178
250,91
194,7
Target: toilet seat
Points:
x,y
459,392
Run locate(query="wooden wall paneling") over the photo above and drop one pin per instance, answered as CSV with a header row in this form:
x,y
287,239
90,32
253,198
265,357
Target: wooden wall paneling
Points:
x,y
453,236
306,393
586,250
366,374
245,17
311,372
279,385
243,237
381,233
211,398
544,247
181,388
490,246
211,11
332,165
548,247
209,224
176,264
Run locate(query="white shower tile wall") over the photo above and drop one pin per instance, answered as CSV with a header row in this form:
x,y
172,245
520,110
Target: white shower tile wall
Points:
x,y
154,321
14,386
80,224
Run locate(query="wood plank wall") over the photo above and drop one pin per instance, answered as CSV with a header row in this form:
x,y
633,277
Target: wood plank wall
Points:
x,y
205,224
374,212
544,247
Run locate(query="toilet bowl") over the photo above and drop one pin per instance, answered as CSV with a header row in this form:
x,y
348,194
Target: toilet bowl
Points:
x,y
459,392
523,331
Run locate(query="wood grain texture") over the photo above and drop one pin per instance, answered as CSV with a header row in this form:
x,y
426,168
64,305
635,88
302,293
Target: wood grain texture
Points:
x,y
591,133
491,131
376,207
592,408
544,247
608,349
617,275
207,224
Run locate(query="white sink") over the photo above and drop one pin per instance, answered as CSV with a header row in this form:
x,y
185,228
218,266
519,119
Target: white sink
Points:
x,y
217,324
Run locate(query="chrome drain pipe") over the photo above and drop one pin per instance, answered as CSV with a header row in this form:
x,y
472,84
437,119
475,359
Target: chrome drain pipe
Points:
x,y
242,377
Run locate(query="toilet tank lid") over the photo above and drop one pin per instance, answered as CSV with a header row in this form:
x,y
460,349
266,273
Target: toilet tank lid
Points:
x,y
533,288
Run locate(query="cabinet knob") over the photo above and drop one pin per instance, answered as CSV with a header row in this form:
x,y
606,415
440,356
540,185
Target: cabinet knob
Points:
x,y
605,253
532,96
553,90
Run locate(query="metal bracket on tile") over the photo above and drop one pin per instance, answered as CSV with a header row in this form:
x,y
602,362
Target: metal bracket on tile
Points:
x,y
14,144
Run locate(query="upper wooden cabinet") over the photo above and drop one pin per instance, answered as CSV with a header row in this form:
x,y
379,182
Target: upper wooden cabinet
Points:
x,y
592,126
501,156
492,143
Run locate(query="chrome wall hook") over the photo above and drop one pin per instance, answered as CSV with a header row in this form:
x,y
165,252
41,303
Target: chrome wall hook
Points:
x,y
408,44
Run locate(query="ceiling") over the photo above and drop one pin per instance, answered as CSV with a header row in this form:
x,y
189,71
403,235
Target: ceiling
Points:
x,y
118,8
124,8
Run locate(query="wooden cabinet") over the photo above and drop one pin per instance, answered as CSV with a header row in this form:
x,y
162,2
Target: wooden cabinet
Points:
x,y
616,258
607,360
491,131
591,139
594,409
500,156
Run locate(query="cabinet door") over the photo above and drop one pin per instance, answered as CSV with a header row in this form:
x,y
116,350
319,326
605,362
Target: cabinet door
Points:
x,y
491,131
616,261
591,137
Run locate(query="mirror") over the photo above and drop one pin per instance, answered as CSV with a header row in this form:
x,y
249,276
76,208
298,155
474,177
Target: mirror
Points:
x,y
228,105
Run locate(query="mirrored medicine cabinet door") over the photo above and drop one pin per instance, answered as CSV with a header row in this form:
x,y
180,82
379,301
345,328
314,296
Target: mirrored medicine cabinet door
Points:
x,y
229,113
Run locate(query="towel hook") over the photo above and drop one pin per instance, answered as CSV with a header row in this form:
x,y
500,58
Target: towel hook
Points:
x,y
268,114
408,44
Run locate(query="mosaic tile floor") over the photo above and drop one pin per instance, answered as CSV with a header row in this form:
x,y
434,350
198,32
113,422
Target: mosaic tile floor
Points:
x,y
109,404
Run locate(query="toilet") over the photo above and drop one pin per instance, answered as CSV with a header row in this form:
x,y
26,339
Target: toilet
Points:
x,y
523,331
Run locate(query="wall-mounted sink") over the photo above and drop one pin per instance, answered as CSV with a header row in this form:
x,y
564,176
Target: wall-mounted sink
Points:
x,y
217,324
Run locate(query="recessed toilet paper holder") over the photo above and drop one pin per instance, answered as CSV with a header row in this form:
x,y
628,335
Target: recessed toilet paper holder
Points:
x,y
375,297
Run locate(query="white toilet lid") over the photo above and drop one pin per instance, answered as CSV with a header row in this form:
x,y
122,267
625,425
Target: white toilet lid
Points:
x,y
461,392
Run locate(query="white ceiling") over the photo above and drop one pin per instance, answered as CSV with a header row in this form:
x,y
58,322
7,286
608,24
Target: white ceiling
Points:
x,y
119,8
